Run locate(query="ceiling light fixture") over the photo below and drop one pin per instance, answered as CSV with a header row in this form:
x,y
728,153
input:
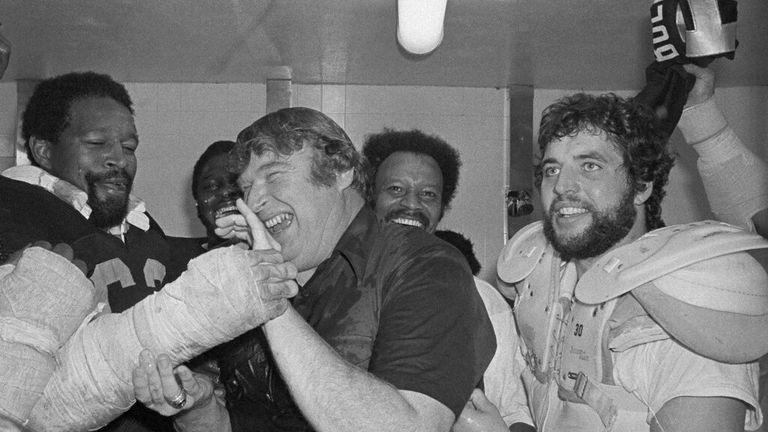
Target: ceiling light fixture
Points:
x,y
420,24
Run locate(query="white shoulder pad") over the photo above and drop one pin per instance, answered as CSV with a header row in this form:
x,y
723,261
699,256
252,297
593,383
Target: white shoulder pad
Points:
x,y
661,252
521,253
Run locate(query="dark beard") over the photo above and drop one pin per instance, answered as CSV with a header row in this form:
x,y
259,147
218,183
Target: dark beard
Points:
x,y
607,228
110,211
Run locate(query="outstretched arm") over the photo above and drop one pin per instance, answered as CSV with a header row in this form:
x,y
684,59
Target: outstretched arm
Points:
x,y
335,395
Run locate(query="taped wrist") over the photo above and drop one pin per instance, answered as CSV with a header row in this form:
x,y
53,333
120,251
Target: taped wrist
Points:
x,y
734,178
701,122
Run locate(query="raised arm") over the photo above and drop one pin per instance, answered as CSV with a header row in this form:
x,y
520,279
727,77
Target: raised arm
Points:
x,y
735,179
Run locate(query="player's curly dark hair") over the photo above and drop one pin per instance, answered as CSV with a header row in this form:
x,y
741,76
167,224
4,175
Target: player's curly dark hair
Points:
x,y
632,127
464,245
47,112
380,146
286,131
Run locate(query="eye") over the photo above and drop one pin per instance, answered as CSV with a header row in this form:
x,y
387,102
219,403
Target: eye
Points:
x,y
429,194
591,166
130,147
211,187
550,171
245,188
395,190
273,176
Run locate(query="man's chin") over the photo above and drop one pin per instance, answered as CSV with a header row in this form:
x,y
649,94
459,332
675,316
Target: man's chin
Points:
x,y
108,212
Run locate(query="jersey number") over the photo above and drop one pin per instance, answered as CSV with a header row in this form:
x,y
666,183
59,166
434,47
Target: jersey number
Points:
x,y
115,270
579,330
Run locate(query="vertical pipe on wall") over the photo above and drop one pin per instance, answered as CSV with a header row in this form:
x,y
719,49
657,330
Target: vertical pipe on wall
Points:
x,y
24,90
278,88
518,157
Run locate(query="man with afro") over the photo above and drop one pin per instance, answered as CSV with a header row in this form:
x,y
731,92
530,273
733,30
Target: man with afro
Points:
x,y
414,177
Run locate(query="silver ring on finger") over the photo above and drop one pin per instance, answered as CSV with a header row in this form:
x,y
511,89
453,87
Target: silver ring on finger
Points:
x,y
178,401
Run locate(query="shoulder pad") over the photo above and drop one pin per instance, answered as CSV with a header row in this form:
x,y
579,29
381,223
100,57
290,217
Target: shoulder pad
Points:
x,y
521,253
661,252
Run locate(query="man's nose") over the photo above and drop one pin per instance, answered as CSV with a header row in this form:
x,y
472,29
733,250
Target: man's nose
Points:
x,y
114,155
257,197
567,182
411,200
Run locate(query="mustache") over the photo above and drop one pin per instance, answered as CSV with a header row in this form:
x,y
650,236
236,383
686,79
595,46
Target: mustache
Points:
x,y
411,214
114,175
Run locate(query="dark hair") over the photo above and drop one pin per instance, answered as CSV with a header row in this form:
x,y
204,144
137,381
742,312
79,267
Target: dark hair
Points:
x,y
379,147
286,131
47,112
213,150
633,129
464,245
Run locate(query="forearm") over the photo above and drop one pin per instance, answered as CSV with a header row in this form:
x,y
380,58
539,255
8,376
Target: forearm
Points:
x,y
334,395
214,301
211,417
734,178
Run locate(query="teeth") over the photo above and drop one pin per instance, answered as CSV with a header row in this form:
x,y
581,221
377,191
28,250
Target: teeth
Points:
x,y
225,210
270,223
567,211
409,222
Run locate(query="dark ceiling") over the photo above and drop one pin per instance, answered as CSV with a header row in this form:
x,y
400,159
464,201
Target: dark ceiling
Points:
x,y
569,44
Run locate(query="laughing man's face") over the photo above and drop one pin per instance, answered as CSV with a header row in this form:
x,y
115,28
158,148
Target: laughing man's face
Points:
x,y
409,191
298,213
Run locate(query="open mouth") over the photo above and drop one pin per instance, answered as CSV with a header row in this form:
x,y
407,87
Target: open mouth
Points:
x,y
408,218
115,185
227,209
279,223
409,222
567,212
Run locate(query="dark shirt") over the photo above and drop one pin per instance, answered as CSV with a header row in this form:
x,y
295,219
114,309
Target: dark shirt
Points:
x,y
402,304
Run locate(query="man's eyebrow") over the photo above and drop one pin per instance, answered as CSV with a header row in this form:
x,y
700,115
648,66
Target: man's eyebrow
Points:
x,y
591,155
274,164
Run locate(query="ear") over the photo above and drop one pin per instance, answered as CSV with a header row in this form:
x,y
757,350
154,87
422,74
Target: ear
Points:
x,y
344,179
642,197
41,152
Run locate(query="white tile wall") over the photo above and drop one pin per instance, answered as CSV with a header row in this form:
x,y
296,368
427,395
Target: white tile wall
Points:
x,y
7,119
7,124
176,122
